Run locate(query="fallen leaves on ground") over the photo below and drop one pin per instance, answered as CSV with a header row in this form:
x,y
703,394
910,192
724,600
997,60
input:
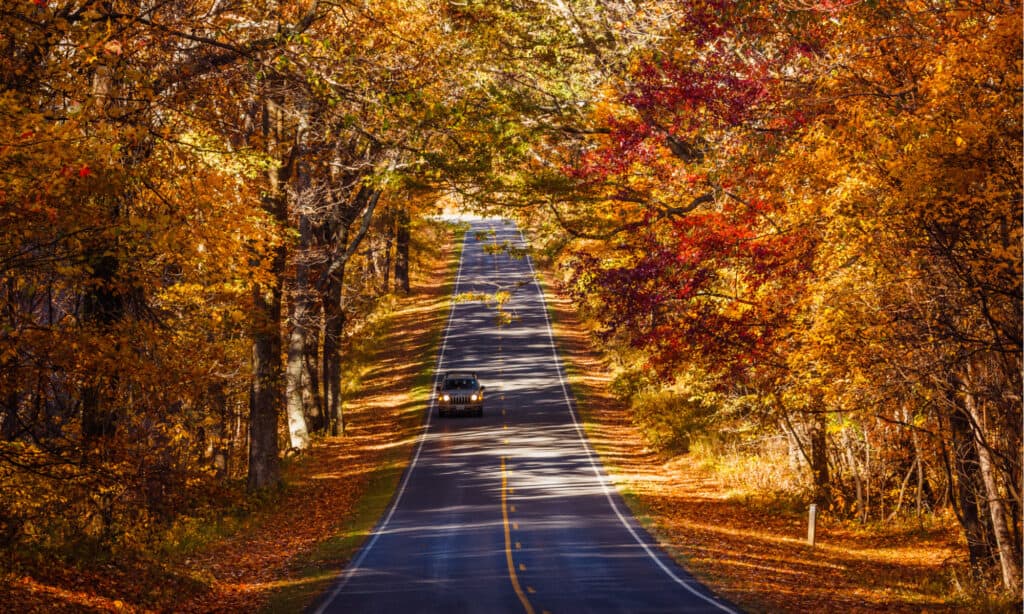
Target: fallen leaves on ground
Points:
x,y
327,484
240,572
758,559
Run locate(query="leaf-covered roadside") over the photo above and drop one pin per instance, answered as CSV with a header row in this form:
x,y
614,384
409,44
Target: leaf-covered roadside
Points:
x,y
755,556
798,227
243,558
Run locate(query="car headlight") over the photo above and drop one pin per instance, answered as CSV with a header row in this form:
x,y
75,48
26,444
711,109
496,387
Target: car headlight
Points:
x,y
474,397
446,398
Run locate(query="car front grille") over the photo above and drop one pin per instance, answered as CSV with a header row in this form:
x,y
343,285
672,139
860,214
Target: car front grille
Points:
x,y
460,399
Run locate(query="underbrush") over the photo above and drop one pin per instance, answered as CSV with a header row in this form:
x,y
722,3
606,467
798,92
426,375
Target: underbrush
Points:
x,y
761,475
670,421
760,472
982,595
753,467
219,518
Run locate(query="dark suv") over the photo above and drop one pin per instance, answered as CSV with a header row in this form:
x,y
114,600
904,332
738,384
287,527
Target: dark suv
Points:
x,y
460,392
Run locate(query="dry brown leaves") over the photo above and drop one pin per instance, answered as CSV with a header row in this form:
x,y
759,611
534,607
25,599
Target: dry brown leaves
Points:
x,y
326,486
758,560
761,561
239,573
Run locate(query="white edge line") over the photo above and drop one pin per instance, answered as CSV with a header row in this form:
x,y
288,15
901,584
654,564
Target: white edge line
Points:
x,y
593,461
365,550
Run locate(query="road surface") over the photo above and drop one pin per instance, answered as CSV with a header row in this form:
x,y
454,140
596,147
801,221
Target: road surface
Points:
x,y
510,512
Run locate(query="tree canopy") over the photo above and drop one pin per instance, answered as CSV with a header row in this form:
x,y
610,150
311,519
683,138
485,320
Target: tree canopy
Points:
x,y
800,218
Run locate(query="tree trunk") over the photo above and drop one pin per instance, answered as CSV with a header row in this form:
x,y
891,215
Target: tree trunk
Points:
x,y
9,427
920,475
344,246
313,402
334,325
219,453
102,306
819,460
851,458
389,245
967,489
1008,555
867,475
402,240
298,432
265,396
267,380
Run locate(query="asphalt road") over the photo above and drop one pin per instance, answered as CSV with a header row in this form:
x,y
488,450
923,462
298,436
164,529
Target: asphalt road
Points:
x,y
510,512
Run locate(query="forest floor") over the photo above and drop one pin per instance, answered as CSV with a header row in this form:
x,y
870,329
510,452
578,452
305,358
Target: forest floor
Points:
x,y
289,550
278,553
752,553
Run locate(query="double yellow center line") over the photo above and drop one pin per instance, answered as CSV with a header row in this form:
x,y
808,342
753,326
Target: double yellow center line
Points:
x,y
508,542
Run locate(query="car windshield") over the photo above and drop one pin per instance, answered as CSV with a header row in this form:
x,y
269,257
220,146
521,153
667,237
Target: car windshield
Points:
x,y
460,384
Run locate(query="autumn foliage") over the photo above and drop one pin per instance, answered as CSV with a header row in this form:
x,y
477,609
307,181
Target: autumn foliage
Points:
x,y
200,202
795,222
803,221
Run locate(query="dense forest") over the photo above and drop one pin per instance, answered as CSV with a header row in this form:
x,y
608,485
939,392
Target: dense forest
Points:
x,y
797,227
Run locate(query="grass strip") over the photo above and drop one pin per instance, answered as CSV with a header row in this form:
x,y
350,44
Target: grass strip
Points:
x,y
312,574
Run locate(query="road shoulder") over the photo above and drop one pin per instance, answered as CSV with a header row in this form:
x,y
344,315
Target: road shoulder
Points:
x,y
337,491
755,559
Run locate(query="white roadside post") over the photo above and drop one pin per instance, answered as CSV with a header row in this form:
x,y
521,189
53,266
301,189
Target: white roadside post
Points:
x,y
812,516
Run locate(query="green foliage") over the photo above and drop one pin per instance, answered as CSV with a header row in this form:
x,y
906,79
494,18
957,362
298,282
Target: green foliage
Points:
x,y
758,472
630,382
670,421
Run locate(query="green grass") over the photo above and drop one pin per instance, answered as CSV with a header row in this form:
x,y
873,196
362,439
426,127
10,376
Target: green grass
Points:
x,y
315,572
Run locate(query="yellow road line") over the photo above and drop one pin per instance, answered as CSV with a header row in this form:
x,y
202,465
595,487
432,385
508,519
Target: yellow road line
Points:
x,y
508,542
